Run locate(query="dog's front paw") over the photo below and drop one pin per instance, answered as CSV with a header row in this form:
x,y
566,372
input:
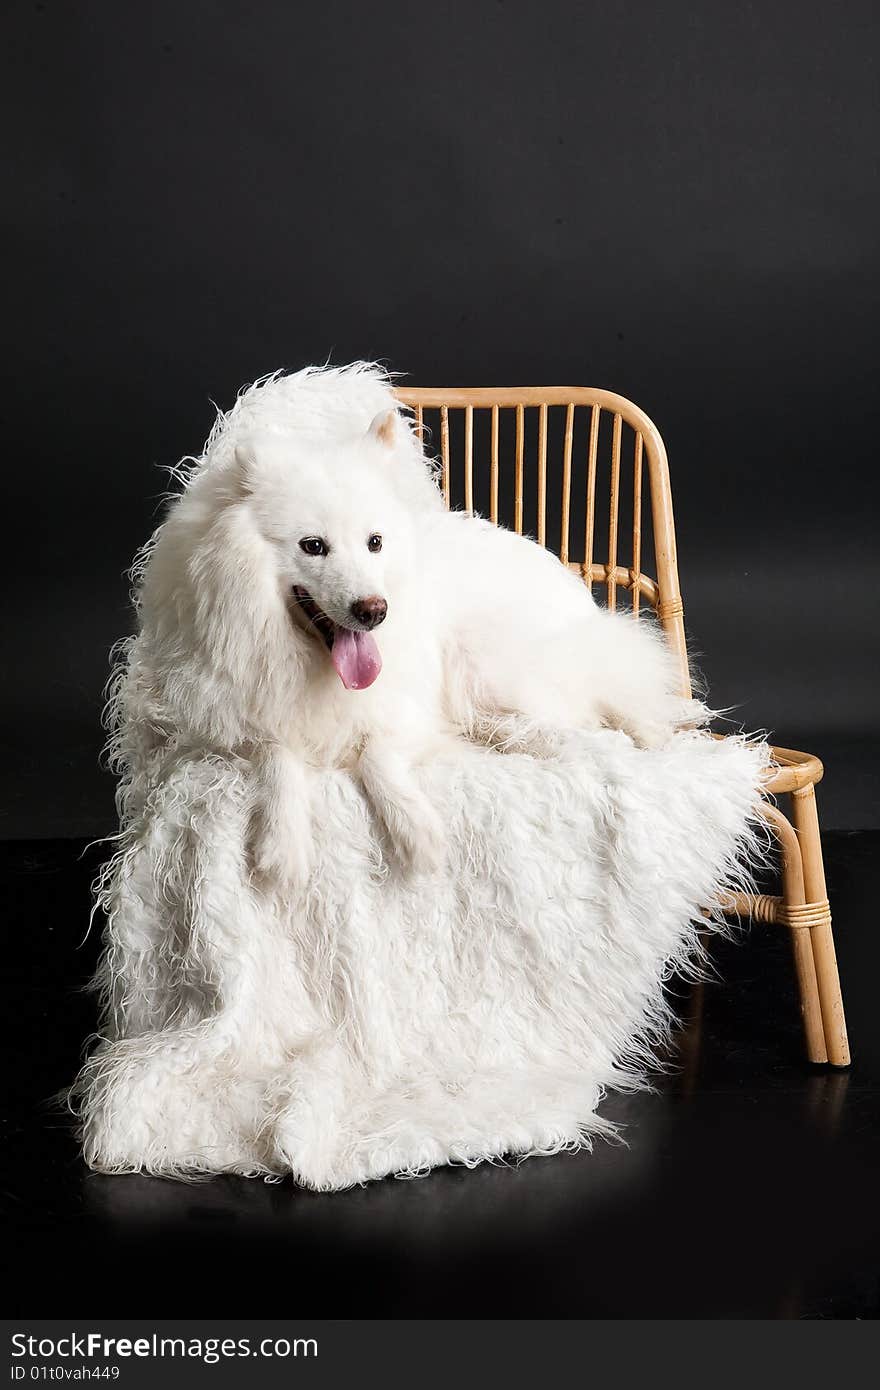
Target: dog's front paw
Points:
x,y
419,838
422,854
281,862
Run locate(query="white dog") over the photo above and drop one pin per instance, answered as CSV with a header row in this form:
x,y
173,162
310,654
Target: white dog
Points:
x,y
309,602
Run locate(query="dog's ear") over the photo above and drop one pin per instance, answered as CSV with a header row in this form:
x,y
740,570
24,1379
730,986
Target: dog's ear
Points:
x,y
384,429
254,456
246,459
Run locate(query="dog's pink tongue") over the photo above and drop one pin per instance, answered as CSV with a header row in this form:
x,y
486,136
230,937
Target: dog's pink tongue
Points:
x,y
356,658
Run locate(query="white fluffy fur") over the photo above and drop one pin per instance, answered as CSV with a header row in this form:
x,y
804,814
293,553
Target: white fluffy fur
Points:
x,y
352,933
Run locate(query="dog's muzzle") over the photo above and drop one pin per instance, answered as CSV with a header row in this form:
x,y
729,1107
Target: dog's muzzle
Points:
x,y
352,650
369,612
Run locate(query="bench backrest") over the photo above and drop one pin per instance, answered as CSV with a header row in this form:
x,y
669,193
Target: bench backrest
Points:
x,y
566,462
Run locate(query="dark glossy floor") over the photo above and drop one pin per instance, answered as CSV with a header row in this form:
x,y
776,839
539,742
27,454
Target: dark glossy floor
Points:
x,y
747,1186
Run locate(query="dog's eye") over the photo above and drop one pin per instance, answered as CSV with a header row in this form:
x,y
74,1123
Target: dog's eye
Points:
x,y
313,545
375,542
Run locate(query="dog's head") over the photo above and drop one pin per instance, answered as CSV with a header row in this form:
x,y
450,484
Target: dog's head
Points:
x,y
340,535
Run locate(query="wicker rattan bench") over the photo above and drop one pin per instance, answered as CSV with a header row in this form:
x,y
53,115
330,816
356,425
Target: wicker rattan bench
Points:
x,y
586,430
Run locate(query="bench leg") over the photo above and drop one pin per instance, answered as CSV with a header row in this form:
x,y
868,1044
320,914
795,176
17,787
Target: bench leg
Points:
x,y
816,915
802,948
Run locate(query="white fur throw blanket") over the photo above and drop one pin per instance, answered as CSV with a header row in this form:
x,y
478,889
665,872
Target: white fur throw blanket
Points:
x,y
385,1023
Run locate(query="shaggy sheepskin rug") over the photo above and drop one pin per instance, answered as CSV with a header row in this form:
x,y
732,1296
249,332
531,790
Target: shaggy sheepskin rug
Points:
x,y
385,1023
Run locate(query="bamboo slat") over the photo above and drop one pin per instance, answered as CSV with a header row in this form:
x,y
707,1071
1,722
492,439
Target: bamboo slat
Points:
x,y
469,458
565,524
595,415
542,473
493,468
444,449
637,523
613,505
420,424
518,483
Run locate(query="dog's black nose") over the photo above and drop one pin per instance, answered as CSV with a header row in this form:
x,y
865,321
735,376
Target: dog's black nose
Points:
x,y
370,612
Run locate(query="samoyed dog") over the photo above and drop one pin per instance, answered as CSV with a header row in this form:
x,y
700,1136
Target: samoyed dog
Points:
x,y
309,602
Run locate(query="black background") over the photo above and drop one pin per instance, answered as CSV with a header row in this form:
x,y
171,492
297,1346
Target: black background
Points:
x,y
678,202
